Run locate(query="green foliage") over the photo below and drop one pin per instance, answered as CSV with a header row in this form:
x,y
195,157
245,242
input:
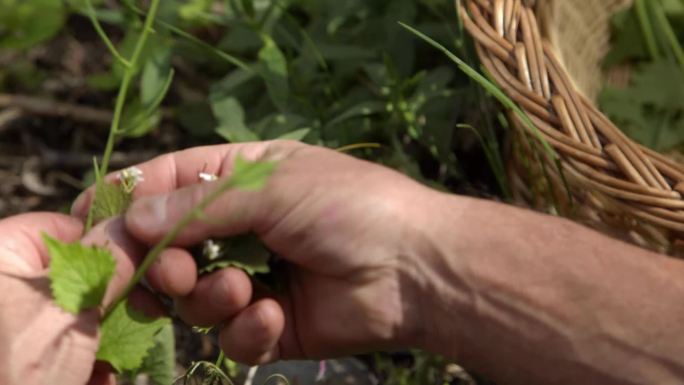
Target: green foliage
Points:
x,y
126,337
110,200
160,363
329,72
23,24
78,274
275,72
244,252
651,108
424,368
231,118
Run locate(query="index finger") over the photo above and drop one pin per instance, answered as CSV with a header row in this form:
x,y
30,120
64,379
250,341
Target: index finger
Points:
x,y
179,169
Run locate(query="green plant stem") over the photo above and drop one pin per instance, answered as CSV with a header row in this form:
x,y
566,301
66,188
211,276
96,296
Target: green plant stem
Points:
x,y
128,76
489,86
491,150
126,82
358,146
103,35
220,359
641,7
229,58
152,256
670,34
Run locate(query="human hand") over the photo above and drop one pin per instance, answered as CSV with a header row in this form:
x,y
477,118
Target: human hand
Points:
x,y
348,228
41,343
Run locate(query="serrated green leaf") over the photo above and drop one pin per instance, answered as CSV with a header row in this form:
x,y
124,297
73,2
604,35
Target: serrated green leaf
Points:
x,y
251,175
110,200
660,84
127,336
160,363
79,275
649,110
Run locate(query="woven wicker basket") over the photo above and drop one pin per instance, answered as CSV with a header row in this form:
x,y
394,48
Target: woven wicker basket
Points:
x,y
546,56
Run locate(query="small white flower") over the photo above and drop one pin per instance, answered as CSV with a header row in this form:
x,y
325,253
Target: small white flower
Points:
x,y
211,250
130,178
207,177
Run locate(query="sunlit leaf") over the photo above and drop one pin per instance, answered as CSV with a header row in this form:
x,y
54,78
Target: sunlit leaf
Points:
x,y
126,337
79,275
110,200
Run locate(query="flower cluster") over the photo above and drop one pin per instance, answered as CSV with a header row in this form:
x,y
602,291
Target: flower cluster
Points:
x,y
130,178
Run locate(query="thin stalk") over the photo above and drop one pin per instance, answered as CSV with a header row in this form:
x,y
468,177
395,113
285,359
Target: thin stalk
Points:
x,y
126,82
670,34
641,8
489,86
152,256
491,150
219,360
103,35
229,58
128,76
358,146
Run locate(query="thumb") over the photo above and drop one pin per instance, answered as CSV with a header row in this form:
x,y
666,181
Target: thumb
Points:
x,y
235,212
127,252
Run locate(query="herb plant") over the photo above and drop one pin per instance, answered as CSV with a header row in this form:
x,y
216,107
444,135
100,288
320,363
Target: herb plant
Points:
x,y
647,42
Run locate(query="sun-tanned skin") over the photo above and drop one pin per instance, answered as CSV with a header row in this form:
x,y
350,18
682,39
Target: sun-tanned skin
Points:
x,y
380,262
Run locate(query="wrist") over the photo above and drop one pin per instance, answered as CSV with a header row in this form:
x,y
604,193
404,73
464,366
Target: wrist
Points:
x,y
432,267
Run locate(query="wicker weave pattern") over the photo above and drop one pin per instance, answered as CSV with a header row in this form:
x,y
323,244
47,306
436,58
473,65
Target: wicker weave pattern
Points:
x,y
616,177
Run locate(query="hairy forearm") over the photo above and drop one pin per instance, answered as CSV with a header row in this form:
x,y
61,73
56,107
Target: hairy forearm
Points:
x,y
530,299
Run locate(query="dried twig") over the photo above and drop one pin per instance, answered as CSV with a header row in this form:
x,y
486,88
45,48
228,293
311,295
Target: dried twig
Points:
x,y
32,181
58,159
8,116
46,107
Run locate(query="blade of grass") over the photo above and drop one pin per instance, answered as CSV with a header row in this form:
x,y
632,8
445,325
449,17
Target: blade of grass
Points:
x,y
489,86
494,159
506,102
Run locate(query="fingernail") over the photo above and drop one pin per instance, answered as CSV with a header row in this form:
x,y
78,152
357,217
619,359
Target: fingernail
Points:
x,y
79,207
150,212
